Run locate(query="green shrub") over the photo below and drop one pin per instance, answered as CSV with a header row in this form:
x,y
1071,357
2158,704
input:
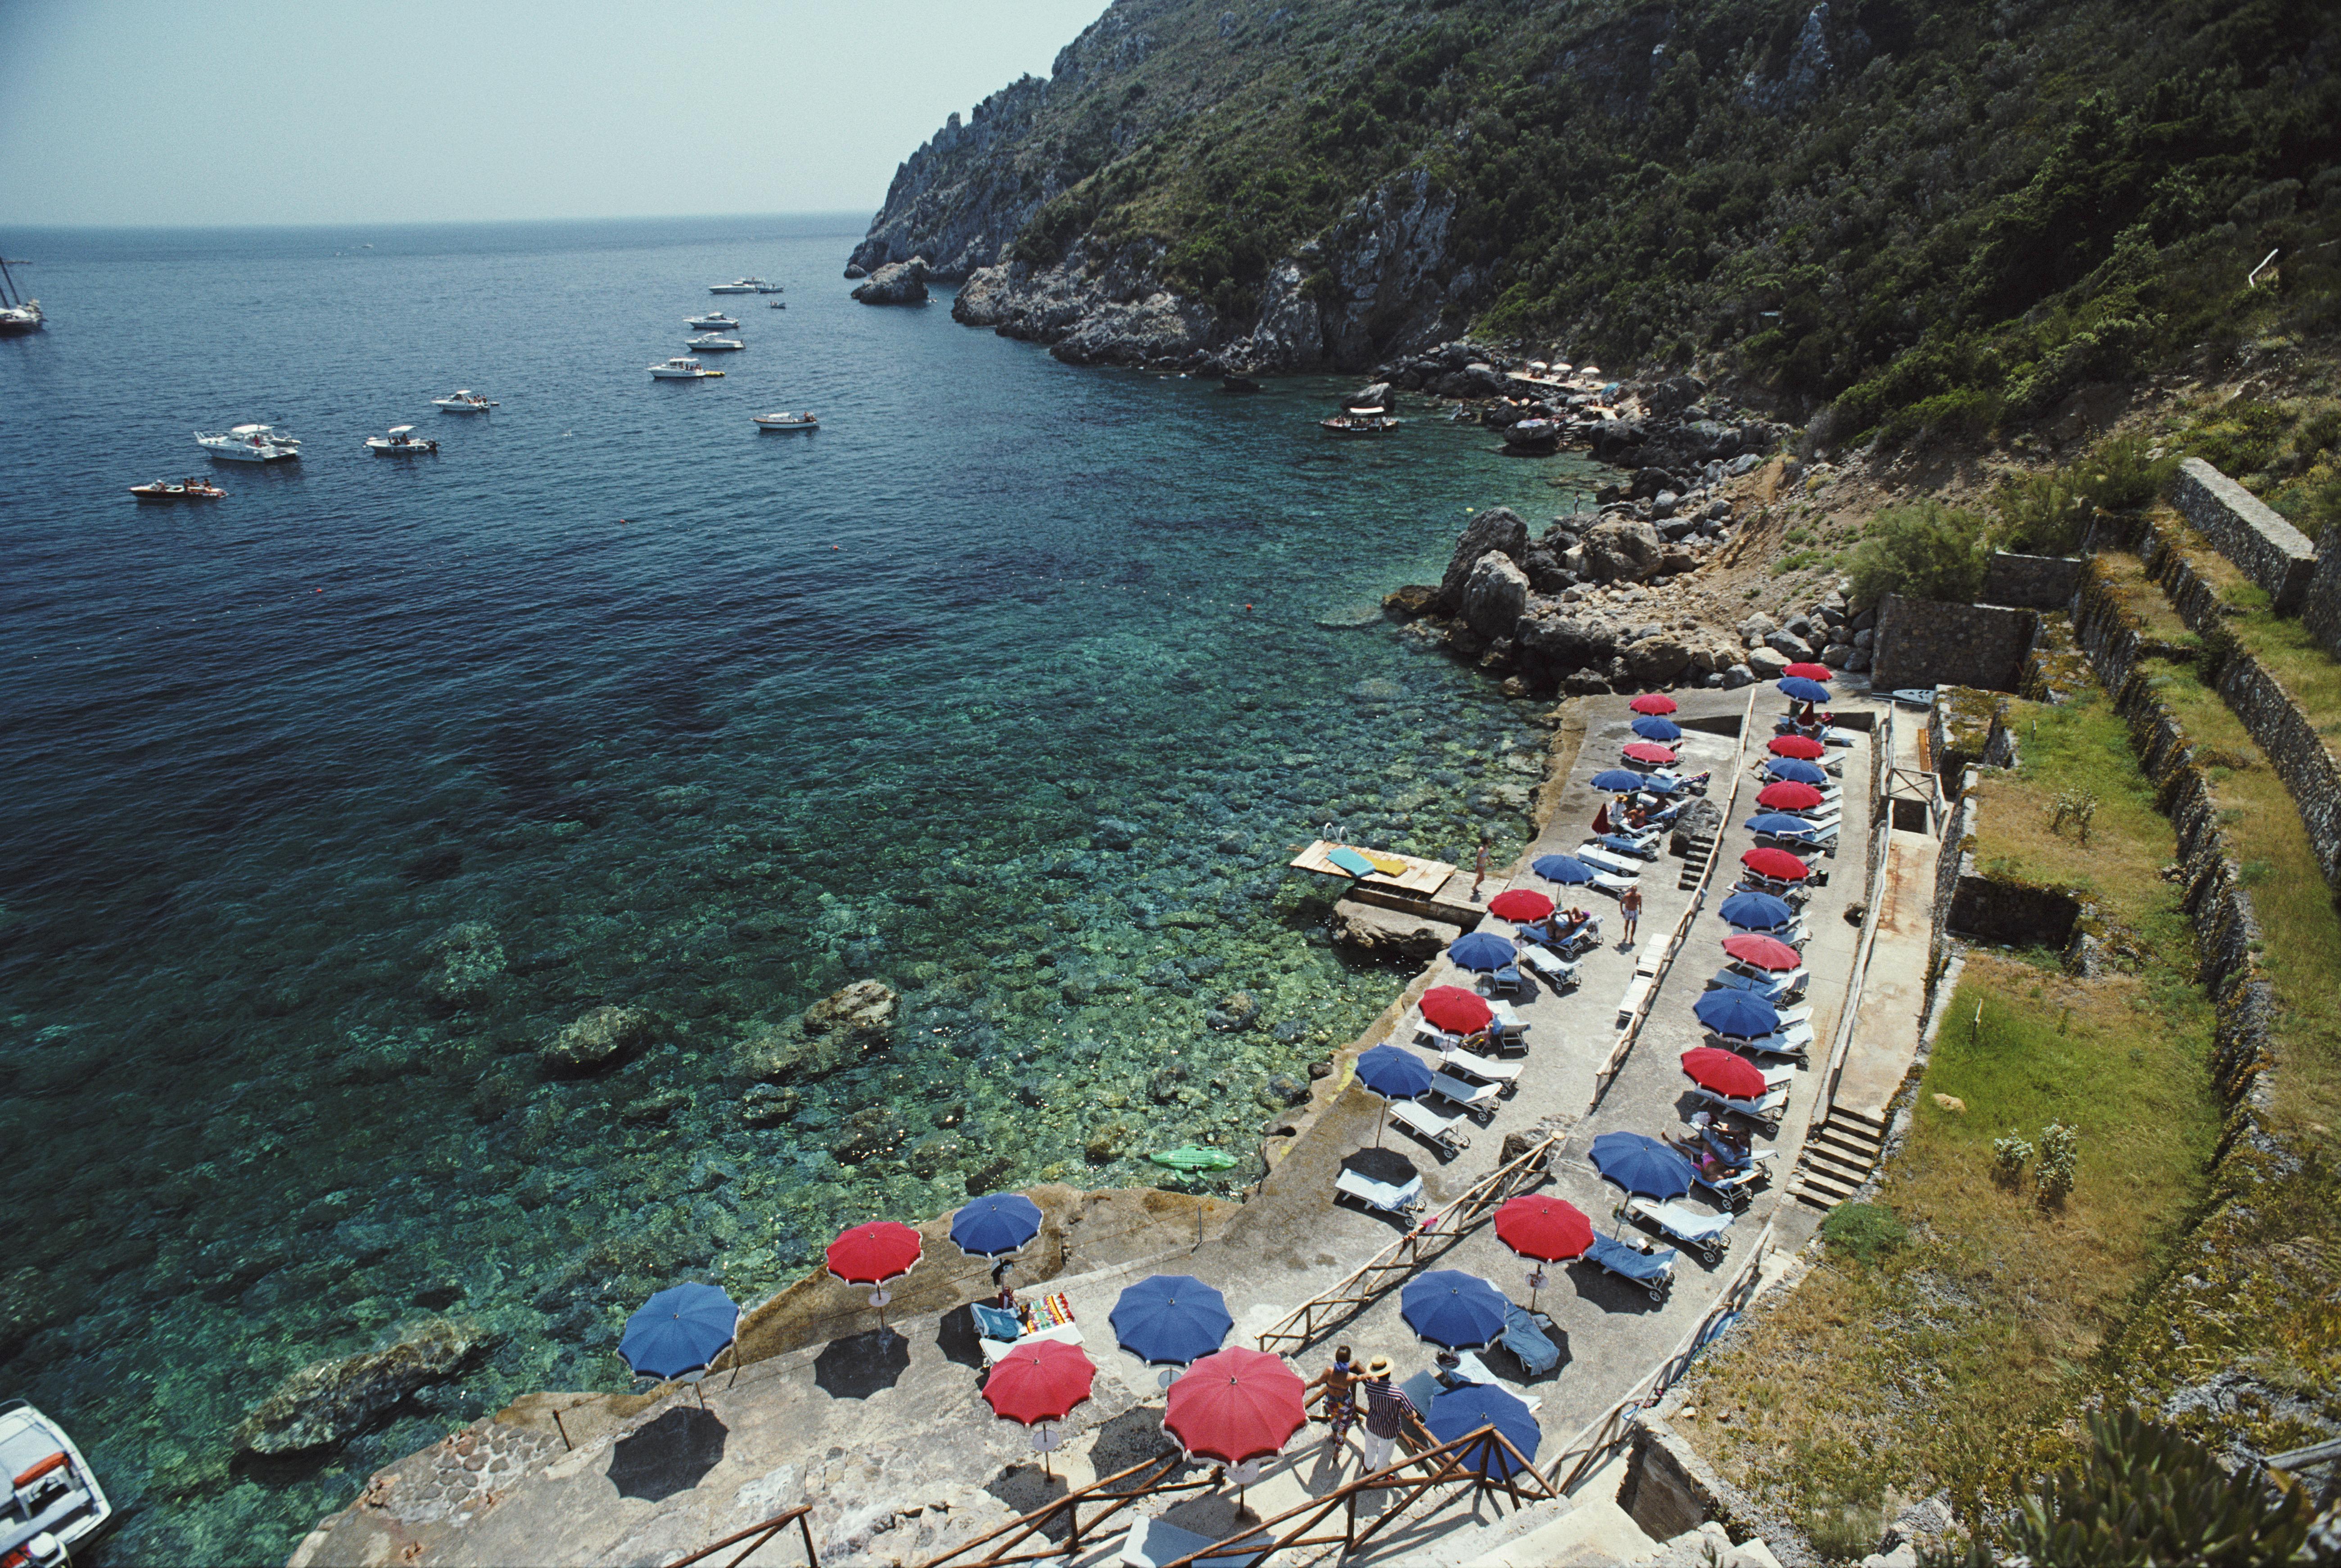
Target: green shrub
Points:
x,y
1924,550
2146,1494
1864,1231
2060,1158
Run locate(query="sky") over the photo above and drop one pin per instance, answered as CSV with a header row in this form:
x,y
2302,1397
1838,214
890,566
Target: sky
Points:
x,y
163,112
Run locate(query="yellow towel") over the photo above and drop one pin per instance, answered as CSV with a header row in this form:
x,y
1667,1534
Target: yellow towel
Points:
x,y
1387,864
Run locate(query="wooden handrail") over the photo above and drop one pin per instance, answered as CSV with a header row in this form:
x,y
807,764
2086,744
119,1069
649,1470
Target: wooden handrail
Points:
x,y
799,1516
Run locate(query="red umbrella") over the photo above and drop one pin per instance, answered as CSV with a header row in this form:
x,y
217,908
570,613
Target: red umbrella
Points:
x,y
1653,703
1544,1229
1455,1009
1520,904
1776,864
1236,1405
1039,1381
1725,1072
1788,795
1803,747
875,1253
1763,952
1650,751
1810,671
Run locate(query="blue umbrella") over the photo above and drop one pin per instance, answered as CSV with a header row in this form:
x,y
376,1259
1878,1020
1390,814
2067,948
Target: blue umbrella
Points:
x,y
1450,1308
1619,781
1756,912
1482,950
1739,1014
1781,825
994,1225
1460,1412
1172,1317
680,1330
1800,690
1641,1164
1564,869
1393,1074
1798,771
1650,727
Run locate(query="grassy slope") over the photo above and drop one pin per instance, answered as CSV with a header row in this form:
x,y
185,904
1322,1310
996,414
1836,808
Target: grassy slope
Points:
x,y
1947,1362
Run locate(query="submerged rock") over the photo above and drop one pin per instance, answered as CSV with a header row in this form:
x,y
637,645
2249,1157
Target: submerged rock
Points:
x,y
866,1010
328,1401
835,1031
469,959
596,1037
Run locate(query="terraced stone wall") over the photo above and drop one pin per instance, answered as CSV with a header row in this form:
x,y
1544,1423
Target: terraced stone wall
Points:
x,y
2247,530
2031,581
2275,719
2320,611
1923,643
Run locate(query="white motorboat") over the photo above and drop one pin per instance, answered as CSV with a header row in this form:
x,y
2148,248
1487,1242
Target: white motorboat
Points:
x,y
250,444
712,321
463,402
681,368
402,442
707,341
745,286
55,1503
18,315
806,421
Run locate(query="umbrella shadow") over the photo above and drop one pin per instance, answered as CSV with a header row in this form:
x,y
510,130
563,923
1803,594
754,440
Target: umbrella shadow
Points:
x,y
1611,1293
1134,1437
956,1337
671,1454
1026,1490
1381,1165
857,1366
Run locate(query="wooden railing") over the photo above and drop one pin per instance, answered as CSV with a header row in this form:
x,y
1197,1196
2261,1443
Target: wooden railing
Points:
x,y
1422,1243
756,1535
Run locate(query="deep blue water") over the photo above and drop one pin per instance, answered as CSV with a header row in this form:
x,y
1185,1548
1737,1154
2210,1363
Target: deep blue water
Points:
x,y
329,803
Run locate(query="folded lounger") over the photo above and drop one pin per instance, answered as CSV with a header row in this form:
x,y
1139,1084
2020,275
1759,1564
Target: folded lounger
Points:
x,y
1481,1067
1444,1132
1653,1271
1525,1337
1380,1194
1707,1235
1479,1099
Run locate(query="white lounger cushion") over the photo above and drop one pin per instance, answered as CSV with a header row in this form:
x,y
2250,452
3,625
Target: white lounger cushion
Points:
x,y
1463,1092
1677,1220
1480,1067
1378,1195
1422,1119
1602,859
1548,963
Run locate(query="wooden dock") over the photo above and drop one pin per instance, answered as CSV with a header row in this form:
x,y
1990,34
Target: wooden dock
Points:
x,y
1419,887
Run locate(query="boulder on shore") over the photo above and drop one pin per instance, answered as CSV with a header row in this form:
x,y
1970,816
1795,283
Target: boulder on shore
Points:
x,y
856,270
896,283
1498,528
1378,933
1410,602
328,1401
1621,550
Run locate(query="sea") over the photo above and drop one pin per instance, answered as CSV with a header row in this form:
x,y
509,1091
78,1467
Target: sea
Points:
x,y
330,805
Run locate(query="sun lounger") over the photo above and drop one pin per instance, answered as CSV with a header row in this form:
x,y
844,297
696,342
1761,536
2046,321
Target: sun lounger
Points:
x,y
1444,1133
1772,987
1427,1033
1707,1235
1642,848
1613,884
1380,1194
1504,982
1764,1112
1793,894
1788,1040
997,1322
1525,1337
1150,1543
1637,991
1479,1099
1732,1188
1602,859
1575,939
1653,1271
1549,966
993,1349
1506,1029
1825,841
1481,1067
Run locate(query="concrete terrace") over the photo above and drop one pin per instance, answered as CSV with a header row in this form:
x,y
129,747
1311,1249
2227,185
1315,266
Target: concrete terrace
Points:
x,y
888,1437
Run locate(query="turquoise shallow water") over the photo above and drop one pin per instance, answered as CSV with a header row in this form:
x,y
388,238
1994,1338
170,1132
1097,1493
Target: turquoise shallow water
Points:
x,y
328,804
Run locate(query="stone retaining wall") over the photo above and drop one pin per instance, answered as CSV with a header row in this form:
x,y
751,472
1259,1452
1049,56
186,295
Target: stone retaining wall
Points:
x,y
1923,643
2272,717
2320,609
2247,530
2031,581
2226,932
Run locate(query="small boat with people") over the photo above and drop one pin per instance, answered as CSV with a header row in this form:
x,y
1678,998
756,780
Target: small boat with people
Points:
x,y
681,368
785,421
706,342
190,488
463,402
250,444
55,1503
745,286
713,321
402,442
1359,421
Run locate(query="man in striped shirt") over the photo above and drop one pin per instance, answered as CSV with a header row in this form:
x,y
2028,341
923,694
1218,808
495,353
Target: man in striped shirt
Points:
x,y
1387,1409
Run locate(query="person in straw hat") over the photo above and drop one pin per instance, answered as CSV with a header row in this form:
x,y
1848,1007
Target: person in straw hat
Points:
x,y
1387,1410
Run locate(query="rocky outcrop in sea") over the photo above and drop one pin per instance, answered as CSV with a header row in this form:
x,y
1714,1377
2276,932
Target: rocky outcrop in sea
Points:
x,y
896,283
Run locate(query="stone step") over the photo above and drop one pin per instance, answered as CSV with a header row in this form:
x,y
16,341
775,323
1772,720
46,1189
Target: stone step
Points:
x,y
1847,1143
1821,1191
1858,1119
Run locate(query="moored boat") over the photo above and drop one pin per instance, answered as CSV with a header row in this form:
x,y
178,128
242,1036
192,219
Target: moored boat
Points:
x,y
706,342
56,1503
745,286
181,490
1359,421
250,444
463,402
681,368
713,321
402,442
785,421
18,315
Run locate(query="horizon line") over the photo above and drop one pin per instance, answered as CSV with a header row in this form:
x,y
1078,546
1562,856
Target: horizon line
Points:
x,y
854,213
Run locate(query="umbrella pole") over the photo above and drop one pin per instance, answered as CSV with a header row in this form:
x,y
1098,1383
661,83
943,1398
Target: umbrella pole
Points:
x,y
1379,1120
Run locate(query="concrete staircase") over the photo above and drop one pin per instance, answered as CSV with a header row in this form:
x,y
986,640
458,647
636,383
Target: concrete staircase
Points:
x,y
1838,1157
1695,852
